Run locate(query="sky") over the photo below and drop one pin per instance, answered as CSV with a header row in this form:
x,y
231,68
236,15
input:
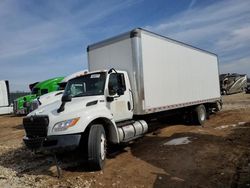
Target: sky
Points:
x,y
44,39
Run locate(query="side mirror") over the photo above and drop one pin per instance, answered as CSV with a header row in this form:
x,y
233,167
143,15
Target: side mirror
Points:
x,y
66,98
120,92
112,91
110,99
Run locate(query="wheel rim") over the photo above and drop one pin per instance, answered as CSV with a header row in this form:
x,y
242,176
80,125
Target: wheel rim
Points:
x,y
202,115
103,147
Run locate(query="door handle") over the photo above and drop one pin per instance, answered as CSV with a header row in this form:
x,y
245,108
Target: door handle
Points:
x,y
129,106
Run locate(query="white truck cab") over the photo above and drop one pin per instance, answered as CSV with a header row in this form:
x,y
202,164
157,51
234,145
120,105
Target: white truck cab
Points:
x,y
94,102
133,77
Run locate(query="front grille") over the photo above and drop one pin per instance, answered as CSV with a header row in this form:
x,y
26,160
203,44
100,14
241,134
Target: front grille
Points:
x,y
34,105
36,126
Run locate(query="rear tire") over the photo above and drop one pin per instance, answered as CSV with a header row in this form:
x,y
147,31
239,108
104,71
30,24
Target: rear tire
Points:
x,y
200,114
96,147
218,106
224,92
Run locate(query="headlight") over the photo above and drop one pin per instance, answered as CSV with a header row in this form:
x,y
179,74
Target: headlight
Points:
x,y
64,125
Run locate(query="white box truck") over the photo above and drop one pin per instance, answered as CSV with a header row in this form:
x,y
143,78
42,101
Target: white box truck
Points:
x,y
5,106
133,76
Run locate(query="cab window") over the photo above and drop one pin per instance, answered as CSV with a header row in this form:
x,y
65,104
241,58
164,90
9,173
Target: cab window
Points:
x,y
44,91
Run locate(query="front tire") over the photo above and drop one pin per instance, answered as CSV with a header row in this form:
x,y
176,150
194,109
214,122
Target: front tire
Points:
x,y
96,147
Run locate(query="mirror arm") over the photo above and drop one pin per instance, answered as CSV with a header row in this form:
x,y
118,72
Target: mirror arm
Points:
x,y
111,98
61,108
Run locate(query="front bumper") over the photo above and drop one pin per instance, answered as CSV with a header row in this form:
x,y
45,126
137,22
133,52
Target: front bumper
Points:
x,y
22,111
53,143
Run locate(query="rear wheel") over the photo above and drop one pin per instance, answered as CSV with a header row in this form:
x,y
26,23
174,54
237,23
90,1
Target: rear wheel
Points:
x,y
200,114
224,92
96,147
218,106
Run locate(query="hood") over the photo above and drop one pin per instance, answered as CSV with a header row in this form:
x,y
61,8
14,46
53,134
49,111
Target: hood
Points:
x,y
27,97
75,106
51,97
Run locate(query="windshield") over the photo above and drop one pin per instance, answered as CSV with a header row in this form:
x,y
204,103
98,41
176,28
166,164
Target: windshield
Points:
x,y
35,91
87,85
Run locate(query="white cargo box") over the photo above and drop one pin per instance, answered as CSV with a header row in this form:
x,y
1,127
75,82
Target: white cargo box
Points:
x,y
164,73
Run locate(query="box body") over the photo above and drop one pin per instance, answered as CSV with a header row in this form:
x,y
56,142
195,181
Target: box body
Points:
x,y
164,73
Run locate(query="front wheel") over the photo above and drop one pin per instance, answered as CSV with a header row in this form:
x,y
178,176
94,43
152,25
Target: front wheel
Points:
x,y
96,147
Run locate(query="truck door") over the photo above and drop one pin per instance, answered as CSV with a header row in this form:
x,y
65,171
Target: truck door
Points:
x,y
120,94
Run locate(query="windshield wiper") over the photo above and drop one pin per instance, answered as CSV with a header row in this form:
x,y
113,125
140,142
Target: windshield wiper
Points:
x,y
86,94
79,95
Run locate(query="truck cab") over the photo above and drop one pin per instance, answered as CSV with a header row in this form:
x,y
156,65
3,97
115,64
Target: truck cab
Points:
x,y
91,108
22,104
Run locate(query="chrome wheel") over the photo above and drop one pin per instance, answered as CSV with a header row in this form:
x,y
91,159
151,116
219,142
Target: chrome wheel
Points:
x,y
103,147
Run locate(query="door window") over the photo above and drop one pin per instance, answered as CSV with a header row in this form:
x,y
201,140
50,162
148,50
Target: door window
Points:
x,y
116,81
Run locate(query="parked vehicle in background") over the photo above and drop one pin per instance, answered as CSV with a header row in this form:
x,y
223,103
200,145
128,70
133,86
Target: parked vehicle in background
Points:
x,y
233,83
51,97
248,86
22,104
5,106
133,78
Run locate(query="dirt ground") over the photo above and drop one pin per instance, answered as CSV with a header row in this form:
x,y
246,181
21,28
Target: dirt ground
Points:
x,y
215,155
